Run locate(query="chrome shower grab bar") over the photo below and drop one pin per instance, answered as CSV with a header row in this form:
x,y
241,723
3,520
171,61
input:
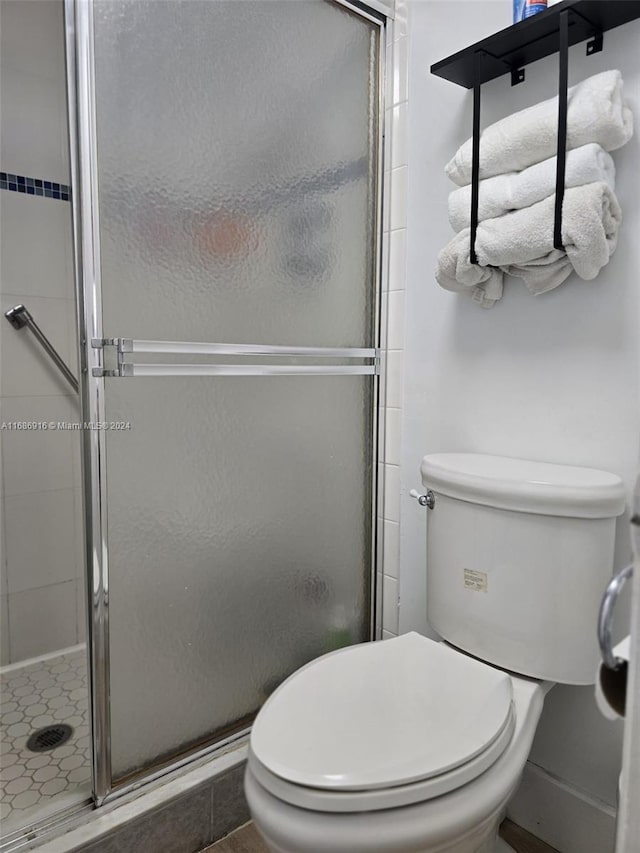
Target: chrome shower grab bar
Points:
x,y
605,617
19,317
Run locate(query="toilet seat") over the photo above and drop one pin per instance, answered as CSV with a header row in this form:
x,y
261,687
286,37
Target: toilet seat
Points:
x,y
381,725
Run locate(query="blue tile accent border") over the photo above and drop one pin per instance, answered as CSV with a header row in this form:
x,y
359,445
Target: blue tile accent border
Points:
x,y
34,186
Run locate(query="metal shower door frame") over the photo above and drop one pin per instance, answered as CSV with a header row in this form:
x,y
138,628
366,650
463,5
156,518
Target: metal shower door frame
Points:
x,y
79,34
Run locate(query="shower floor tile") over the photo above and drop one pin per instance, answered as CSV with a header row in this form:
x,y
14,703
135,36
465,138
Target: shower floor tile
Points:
x,y
36,784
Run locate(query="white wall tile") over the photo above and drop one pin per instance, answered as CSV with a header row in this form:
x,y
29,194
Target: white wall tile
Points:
x,y
391,548
36,246
388,138
78,512
389,71
32,37
25,370
37,460
33,128
400,22
398,259
379,601
81,611
395,321
394,379
36,267
393,428
385,261
72,341
76,447
390,604
4,588
398,215
386,210
392,493
400,70
400,148
5,655
41,548
42,620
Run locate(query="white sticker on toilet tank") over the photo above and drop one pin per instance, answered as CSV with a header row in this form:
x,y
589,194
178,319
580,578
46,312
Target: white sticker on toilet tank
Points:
x,y
476,580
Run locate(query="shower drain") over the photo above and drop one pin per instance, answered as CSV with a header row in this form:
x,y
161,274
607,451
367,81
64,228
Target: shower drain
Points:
x,y
49,737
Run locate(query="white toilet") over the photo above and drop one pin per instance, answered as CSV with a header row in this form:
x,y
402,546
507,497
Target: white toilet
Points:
x,y
415,746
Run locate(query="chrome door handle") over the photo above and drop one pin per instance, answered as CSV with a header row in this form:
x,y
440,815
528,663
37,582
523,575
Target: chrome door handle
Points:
x,y
605,617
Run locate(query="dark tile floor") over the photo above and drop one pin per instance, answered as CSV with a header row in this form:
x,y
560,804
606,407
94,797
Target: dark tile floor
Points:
x,y
247,840
522,841
244,840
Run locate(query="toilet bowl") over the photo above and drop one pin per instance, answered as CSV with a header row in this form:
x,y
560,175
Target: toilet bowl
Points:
x,y
415,746
431,747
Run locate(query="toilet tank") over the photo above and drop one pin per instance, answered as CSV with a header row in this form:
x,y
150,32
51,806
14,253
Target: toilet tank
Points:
x,y
518,556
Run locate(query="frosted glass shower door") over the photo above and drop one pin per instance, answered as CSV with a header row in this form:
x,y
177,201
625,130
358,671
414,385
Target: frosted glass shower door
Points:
x,y
236,183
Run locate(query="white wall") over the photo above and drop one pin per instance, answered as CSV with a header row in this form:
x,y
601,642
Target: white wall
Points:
x,y
40,502
550,378
394,253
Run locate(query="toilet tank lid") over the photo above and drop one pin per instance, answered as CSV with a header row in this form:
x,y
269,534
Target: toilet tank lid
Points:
x,y
524,486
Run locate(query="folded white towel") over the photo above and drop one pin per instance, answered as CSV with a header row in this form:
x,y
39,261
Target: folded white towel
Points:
x,y
521,244
516,190
595,113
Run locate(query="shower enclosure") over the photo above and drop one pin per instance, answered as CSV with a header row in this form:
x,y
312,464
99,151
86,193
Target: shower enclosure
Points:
x,y
228,239
226,165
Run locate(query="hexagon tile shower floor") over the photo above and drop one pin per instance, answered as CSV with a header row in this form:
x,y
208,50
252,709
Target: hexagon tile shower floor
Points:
x,y
32,697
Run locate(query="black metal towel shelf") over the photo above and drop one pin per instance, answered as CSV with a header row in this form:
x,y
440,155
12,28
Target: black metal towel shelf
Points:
x,y
511,49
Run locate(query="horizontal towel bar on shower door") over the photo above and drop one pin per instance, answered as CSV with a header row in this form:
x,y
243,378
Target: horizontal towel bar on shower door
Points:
x,y
126,345
128,369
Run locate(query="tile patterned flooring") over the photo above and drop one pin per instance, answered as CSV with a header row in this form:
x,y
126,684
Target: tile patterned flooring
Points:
x,y
522,841
39,694
243,840
247,840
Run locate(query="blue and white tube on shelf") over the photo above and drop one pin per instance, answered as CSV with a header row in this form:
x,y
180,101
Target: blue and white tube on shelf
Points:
x,y
523,9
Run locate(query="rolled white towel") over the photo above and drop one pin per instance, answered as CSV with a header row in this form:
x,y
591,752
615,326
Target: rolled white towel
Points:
x,y
515,190
595,113
521,244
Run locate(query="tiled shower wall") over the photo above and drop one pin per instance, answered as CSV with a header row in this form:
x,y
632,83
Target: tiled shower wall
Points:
x,y
395,228
40,500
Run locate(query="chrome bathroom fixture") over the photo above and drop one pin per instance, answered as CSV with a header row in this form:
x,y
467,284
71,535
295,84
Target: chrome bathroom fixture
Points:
x,y
428,500
605,617
127,368
20,318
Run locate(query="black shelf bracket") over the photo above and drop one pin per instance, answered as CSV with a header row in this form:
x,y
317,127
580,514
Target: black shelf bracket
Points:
x,y
517,76
475,156
595,45
561,159
510,50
